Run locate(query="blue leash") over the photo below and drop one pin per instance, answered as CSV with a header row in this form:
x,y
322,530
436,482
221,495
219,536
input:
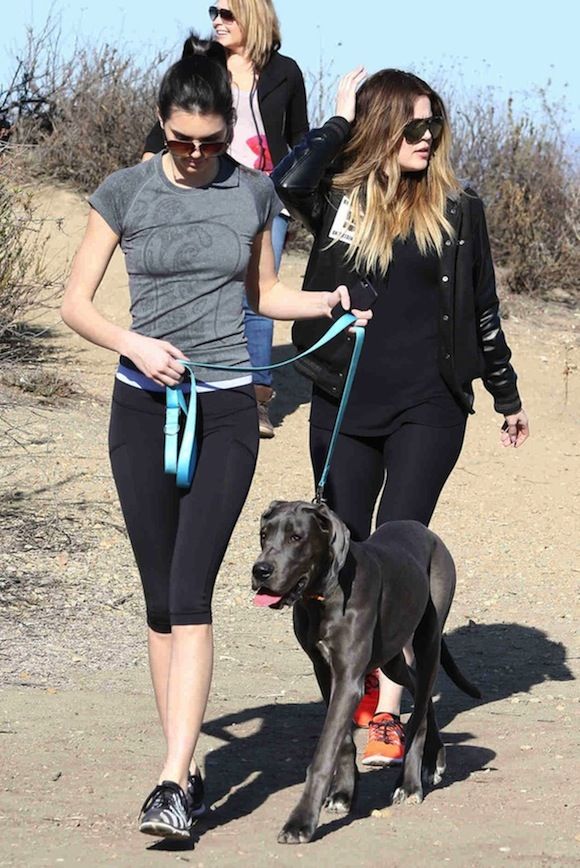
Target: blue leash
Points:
x,y
181,461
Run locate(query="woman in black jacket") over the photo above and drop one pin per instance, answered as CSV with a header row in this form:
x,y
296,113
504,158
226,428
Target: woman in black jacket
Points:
x,y
270,101
376,188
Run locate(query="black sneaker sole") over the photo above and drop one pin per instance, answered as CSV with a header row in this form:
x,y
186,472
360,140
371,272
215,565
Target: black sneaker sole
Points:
x,y
164,830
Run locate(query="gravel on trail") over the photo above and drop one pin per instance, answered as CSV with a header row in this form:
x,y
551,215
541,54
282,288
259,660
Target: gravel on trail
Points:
x,y
79,741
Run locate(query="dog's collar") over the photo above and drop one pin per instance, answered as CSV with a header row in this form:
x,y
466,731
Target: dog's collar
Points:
x,y
317,597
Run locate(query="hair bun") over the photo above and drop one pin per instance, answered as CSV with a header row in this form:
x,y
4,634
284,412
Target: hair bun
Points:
x,y
194,46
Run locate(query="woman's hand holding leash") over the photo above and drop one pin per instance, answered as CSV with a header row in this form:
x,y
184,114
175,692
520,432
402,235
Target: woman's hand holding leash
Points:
x,y
346,94
157,359
341,297
515,430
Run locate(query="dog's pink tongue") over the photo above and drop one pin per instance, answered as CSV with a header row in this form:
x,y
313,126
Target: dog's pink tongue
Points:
x,y
263,599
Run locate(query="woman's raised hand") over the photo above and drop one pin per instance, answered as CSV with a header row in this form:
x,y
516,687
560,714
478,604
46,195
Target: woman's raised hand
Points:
x,y
346,94
155,358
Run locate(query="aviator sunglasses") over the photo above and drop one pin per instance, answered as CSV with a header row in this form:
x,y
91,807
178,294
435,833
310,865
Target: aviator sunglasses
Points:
x,y
225,14
414,131
186,149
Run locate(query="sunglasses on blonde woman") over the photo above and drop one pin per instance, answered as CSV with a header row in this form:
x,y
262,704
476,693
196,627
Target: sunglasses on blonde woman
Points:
x,y
414,131
186,149
225,14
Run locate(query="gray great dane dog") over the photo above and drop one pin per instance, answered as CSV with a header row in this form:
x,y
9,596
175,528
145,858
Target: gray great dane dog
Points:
x,y
355,606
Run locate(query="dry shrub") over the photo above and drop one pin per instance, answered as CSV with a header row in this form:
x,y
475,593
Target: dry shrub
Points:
x,y
80,118
86,116
24,281
519,164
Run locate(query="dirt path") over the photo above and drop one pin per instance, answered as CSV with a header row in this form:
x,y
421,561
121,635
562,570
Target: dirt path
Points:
x,y
79,742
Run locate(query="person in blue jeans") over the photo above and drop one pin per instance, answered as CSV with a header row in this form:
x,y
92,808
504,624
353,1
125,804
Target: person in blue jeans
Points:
x,y
271,118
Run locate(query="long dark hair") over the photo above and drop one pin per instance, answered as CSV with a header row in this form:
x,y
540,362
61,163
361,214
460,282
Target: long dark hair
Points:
x,y
385,202
199,82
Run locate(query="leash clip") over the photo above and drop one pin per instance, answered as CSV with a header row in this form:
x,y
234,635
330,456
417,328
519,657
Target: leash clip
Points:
x,y
319,496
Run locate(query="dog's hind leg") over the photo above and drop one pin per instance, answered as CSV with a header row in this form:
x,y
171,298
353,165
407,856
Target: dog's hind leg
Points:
x,y
399,671
426,644
442,580
434,761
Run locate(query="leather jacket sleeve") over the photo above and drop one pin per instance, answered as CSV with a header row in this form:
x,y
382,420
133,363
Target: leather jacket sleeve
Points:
x,y
499,377
300,178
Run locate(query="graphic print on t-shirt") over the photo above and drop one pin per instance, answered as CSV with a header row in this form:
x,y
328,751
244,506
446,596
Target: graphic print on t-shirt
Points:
x,y
342,228
258,145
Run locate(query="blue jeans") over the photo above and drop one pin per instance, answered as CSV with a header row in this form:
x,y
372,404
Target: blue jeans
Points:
x,y
260,329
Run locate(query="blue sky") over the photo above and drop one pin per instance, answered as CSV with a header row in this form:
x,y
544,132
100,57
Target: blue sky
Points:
x,y
514,46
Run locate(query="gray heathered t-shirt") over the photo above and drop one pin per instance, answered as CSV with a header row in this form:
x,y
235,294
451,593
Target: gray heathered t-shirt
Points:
x,y
187,252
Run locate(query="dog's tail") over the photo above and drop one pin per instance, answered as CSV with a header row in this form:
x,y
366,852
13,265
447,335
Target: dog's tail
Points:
x,y
453,671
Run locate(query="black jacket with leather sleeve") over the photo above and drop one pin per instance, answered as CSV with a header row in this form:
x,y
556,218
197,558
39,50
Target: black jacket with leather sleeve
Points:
x,y
282,101
471,341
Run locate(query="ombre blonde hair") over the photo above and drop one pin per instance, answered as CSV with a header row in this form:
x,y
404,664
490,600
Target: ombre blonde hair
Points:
x,y
385,202
260,26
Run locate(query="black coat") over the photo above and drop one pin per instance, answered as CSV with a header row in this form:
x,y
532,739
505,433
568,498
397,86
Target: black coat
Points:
x,y
471,341
282,101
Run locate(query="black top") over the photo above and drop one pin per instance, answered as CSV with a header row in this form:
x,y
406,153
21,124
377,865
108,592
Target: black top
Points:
x,y
398,378
282,101
472,343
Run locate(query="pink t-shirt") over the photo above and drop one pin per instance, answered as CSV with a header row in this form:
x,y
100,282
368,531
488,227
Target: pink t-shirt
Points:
x,y
249,145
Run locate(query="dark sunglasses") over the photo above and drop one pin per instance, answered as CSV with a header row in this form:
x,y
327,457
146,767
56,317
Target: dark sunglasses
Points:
x,y
224,14
186,149
414,131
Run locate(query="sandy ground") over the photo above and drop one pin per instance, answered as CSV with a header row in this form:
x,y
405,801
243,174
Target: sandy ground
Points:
x,y
79,742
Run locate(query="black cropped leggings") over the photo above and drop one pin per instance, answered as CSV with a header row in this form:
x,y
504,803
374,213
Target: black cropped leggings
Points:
x,y
180,536
416,460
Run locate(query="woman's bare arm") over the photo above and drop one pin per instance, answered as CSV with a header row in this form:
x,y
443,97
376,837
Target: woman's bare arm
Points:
x,y
270,297
155,358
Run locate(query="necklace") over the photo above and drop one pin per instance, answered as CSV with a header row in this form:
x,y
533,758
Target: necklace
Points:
x,y
183,182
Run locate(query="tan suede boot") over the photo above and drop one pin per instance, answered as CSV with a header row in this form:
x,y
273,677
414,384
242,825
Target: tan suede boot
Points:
x,y
264,395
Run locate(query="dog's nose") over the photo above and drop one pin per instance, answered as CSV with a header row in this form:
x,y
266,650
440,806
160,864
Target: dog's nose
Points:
x,y
262,571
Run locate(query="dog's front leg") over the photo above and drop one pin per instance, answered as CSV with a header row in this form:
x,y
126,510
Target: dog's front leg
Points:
x,y
343,787
346,692
342,790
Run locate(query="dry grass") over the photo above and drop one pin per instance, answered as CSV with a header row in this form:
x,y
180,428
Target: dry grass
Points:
x,y
78,118
25,283
519,164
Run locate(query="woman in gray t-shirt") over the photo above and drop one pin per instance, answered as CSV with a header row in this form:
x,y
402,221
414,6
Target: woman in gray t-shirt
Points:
x,y
195,230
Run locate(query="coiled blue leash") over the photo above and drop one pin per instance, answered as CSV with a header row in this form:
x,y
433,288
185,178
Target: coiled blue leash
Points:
x,y
181,460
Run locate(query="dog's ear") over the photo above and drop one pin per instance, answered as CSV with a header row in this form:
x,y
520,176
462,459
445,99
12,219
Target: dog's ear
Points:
x,y
339,539
271,509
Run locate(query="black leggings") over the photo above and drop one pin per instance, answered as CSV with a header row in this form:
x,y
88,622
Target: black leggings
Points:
x,y
417,460
179,536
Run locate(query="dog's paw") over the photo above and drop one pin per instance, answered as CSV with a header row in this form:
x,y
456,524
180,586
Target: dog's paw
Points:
x,y
433,772
296,832
431,778
437,775
410,797
338,803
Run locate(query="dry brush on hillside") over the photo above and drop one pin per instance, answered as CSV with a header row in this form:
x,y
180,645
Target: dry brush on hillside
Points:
x,y
77,117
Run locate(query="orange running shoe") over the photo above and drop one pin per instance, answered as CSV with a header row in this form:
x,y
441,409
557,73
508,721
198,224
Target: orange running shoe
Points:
x,y
368,704
386,744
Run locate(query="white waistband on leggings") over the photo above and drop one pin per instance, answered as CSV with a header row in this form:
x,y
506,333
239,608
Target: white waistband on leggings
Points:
x,y
140,381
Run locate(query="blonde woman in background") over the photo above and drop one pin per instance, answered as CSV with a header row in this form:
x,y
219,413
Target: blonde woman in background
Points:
x,y
376,188
270,102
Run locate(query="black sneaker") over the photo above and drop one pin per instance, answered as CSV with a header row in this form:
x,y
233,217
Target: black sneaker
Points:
x,y
166,812
195,792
